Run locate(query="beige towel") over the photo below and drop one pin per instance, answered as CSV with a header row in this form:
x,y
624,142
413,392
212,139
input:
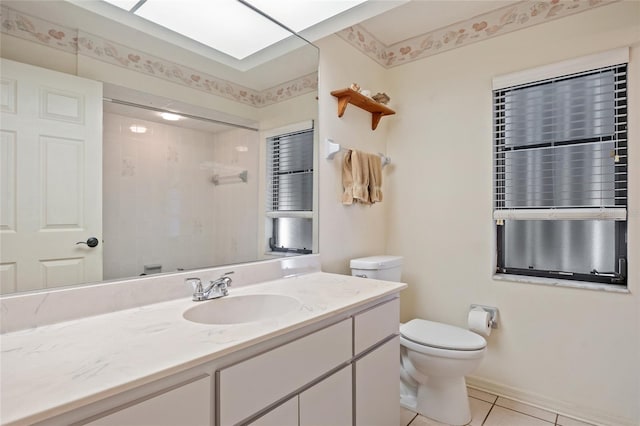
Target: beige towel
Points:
x,y
347,179
375,178
360,173
361,178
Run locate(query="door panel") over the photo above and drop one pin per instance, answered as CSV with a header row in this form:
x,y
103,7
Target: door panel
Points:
x,y
62,182
8,277
8,181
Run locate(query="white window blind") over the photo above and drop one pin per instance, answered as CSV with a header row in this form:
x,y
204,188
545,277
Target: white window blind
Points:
x,y
290,172
561,148
289,197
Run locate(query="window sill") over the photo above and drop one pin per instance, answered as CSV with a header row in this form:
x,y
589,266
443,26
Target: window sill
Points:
x,y
283,254
561,283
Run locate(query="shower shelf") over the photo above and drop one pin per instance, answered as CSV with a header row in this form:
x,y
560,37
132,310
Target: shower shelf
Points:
x,y
350,96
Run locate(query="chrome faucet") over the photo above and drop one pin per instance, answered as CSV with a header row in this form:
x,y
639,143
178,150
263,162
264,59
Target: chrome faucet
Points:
x,y
216,288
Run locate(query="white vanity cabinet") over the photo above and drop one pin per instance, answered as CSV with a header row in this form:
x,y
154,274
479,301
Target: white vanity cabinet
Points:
x,y
341,371
249,387
372,375
186,405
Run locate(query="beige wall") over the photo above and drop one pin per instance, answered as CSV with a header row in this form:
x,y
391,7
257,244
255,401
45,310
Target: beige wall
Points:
x,y
285,113
357,230
576,351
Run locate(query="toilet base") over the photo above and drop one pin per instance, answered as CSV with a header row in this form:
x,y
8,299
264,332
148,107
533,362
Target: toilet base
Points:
x,y
409,402
444,399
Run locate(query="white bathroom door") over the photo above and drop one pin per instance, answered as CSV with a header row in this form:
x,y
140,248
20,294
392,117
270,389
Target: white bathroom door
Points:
x,y
50,178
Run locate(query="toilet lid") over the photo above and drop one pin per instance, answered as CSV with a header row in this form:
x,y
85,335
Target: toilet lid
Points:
x,y
442,336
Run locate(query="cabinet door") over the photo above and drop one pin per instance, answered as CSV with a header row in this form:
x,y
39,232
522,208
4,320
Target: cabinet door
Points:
x,y
375,325
329,402
252,385
283,415
187,405
377,386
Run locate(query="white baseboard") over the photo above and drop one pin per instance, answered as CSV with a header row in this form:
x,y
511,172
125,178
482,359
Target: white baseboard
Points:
x,y
578,412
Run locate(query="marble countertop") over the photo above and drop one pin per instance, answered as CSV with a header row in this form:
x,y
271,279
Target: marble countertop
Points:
x,y
55,368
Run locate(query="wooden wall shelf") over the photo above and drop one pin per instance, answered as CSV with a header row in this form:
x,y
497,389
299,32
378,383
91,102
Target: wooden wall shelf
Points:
x,y
350,96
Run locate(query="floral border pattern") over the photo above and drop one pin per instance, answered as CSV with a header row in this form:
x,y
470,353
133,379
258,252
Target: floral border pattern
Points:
x,y
37,30
500,21
81,43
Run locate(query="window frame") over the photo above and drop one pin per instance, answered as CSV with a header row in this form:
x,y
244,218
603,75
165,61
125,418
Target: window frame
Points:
x,y
269,218
534,77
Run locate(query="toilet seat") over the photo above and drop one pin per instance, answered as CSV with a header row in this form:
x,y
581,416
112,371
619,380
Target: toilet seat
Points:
x,y
441,353
430,334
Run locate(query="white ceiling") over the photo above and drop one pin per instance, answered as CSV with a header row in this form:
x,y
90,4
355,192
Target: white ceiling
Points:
x,y
418,17
356,12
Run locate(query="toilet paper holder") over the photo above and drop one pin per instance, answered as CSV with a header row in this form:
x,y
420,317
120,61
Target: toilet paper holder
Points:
x,y
493,313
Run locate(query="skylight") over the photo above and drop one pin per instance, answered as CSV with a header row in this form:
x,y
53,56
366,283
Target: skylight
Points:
x,y
231,27
124,4
225,25
302,14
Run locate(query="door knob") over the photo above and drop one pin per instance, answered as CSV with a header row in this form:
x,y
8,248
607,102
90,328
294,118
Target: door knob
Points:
x,y
91,242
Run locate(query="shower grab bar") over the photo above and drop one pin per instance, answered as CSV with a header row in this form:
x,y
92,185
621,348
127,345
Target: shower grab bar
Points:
x,y
218,180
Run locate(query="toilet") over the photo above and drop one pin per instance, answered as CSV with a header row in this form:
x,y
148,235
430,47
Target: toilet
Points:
x,y
434,357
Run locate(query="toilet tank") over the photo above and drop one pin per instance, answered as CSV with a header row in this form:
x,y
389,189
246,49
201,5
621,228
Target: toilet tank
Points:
x,y
386,268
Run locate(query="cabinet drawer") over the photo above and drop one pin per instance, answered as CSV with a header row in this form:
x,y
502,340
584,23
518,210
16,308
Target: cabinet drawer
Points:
x,y
188,405
374,325
254,384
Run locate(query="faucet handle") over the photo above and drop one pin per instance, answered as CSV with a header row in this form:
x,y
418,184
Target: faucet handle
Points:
x,y
225,277
196,283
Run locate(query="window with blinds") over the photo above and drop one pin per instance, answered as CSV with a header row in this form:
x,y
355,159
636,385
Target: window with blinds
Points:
x,y
560,173
289,196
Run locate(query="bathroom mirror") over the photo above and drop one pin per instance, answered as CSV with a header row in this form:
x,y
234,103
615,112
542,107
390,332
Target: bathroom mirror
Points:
x,y
174,195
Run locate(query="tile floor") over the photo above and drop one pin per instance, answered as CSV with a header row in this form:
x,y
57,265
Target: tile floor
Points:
x,y
492,410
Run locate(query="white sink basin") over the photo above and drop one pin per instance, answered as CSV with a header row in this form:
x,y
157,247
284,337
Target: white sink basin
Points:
x,y
241,309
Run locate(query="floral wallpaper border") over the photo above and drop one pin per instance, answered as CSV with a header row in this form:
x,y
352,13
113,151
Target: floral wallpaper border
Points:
x,y
500,21
82,43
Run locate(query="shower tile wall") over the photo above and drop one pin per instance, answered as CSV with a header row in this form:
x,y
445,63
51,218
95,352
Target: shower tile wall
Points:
x,y
160,205
236,207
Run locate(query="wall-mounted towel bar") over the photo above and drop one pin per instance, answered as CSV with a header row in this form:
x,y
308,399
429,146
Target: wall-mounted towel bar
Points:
x,y
331,149
219,180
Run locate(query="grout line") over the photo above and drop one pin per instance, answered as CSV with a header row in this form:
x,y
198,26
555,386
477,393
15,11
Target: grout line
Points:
x,y
489,412
555,422
528,405
525,414
495,397
530,415
411,421
483,400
